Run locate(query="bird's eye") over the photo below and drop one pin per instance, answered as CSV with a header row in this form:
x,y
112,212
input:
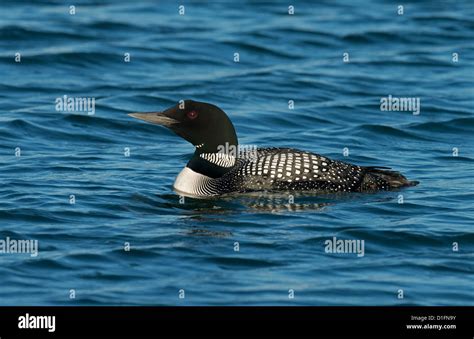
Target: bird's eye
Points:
x,y
192,115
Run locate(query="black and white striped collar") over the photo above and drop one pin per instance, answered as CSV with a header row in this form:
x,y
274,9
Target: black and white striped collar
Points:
x,y
213,165
219,159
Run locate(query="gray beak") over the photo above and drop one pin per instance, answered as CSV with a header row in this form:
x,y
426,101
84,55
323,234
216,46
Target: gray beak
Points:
x,y
155,118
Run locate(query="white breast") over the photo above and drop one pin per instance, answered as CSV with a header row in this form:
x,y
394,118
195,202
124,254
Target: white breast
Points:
x,y
192,183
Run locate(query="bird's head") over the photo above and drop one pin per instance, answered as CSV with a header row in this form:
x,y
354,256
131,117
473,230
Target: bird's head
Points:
x,y
204,125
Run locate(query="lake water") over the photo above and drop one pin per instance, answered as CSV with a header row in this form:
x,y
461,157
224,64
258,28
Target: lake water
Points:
x,y
85,185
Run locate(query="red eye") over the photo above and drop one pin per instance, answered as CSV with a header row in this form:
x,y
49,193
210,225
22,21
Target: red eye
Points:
x,y
192,115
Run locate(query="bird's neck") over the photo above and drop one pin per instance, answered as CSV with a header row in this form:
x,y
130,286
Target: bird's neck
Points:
x,y
213,165
225,147
213,161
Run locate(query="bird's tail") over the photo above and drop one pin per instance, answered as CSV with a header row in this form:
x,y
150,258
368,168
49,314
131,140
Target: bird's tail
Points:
x,y
378,178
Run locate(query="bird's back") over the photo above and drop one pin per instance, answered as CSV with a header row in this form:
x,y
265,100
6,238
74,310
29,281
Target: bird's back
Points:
x,y
292,169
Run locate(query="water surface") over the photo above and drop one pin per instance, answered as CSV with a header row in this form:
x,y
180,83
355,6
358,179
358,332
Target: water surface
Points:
x,y
191,246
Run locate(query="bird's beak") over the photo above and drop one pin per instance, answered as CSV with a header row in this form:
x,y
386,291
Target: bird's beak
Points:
x,y
155,118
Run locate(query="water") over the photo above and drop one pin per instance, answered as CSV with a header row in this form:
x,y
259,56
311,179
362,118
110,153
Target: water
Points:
x,y
190,246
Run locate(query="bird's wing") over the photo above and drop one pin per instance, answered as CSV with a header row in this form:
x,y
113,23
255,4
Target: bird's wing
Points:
x,y
292,168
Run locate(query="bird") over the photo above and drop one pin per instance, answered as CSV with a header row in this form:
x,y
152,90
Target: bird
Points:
x,y
218,167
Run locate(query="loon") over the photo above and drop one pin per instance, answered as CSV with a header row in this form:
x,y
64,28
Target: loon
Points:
x,y
216,169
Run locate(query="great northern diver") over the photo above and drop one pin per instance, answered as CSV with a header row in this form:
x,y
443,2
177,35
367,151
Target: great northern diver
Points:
x,y
216,169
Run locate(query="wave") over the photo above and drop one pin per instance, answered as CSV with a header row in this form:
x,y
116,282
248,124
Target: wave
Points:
x,y
374,36
20,33
455,125
260,49
384,132
28,129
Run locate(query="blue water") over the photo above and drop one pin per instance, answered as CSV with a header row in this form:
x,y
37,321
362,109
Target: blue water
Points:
x,y
190,246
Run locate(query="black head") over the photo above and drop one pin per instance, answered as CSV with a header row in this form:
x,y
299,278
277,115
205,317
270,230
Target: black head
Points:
x,y
204,125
